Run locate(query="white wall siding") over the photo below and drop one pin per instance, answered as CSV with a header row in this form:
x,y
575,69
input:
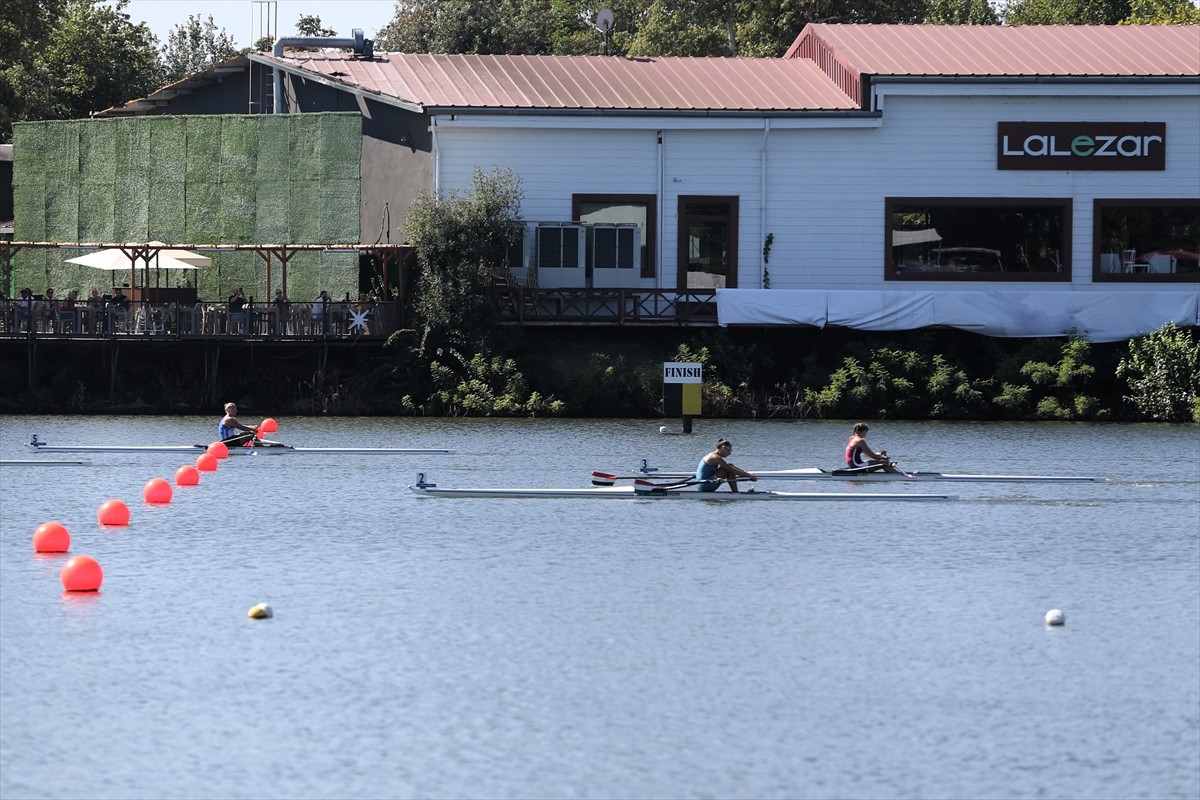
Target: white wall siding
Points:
x,y
553,164
826,186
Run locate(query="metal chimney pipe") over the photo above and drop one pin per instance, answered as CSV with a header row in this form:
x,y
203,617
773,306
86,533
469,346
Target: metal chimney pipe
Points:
x,y
358,44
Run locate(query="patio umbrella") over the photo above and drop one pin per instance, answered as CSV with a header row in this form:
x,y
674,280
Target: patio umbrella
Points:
x,y
186,256
115,259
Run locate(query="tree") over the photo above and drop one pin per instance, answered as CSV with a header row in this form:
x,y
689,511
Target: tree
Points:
x,y
90,58
459,241
309,25
469,26
1163,372
1065,12
24,27
194,46
1162,12
961,12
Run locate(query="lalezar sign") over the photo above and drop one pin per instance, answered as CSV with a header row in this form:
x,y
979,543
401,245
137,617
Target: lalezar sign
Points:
x,y
1080,146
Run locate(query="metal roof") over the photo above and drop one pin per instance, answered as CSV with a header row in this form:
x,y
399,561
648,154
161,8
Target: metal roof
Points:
x,y
579,83
160,98
1049,51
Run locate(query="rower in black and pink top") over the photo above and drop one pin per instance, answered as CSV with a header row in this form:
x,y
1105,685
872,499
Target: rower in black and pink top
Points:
x,y
860,456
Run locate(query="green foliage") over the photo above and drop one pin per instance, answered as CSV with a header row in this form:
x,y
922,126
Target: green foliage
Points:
x,y
898,383
746,28
194,46
485,386
961,12
310,25
459,241
1162,12
1057,389
1163,374
1065,12
91,57
467,26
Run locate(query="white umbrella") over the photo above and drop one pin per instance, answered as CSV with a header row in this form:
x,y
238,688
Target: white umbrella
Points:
x,y
186,256
114,259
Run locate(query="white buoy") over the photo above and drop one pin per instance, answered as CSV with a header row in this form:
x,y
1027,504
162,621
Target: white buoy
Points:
x,y
260,611
1056,617
662,428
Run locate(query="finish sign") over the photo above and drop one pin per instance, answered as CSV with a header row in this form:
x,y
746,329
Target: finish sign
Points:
x,y
681,388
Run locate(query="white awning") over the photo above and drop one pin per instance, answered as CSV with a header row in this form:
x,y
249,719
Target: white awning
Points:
x,y
901,238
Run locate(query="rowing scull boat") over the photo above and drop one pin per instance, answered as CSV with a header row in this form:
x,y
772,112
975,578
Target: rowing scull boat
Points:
x,y
262,447
601,478
688,493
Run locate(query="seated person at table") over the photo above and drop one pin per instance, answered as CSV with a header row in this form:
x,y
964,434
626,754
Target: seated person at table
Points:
x,y
94,298
25,307
119,299
66,312
237,308
320,311
47,311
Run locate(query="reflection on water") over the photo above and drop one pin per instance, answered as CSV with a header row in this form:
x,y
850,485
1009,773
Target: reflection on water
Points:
x,y
509,648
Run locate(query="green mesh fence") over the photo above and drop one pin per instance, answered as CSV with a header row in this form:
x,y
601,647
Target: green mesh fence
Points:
x,y
219,179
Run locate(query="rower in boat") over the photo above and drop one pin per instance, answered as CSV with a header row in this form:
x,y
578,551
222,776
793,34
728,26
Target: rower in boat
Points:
x,y
713,469
861,458
227,430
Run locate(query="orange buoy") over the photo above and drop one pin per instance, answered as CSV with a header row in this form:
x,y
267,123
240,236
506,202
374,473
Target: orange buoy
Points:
x,y
81,574
268,425
205,462
187,475
157,490
113,512
218,450
51,537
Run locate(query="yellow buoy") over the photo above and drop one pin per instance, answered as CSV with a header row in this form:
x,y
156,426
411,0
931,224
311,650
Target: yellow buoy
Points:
x,y
260,611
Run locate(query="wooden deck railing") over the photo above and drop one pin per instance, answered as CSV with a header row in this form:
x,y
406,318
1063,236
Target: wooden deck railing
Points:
x,y
346,321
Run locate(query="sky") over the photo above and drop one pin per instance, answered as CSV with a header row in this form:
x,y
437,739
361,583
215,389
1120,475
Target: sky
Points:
x,y
241,18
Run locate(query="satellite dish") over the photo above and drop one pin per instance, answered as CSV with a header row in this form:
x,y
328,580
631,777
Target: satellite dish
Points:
x,y
604,20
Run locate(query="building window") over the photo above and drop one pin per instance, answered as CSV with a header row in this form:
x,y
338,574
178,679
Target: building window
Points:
x,y
968,239
1146,240
618,209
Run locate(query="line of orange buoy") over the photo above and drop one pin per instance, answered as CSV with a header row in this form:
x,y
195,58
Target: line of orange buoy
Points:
x,y
83,573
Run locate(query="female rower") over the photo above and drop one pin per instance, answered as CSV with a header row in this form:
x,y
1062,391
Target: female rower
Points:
x,y
859,455
713,469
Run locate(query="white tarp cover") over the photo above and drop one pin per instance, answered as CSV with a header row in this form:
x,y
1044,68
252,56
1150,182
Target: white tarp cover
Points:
x,y
901,238
1100,316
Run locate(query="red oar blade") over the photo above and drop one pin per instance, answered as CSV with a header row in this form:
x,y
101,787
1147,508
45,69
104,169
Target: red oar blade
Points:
x,y
603,478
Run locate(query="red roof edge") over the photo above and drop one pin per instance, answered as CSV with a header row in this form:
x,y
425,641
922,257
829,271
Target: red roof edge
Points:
x,y
812,46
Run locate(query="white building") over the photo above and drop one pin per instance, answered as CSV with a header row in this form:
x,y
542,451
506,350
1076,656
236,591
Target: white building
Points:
x,y
1014,181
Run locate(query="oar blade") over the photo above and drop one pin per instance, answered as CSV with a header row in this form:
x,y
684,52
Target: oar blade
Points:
x,y
603,478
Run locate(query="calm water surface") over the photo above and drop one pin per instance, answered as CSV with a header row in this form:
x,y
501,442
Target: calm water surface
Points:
x,y
622,649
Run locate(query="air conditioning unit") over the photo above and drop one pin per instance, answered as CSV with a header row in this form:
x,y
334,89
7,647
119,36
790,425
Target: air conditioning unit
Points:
x,y
559,255
616,256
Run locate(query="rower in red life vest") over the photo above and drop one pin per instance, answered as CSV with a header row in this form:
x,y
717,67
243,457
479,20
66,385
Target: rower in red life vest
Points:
x,y
860,456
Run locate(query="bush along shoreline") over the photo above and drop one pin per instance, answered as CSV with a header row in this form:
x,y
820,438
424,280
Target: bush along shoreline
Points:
x,y
760,374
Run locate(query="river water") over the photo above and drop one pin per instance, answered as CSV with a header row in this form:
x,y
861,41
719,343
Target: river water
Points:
x,y
437,648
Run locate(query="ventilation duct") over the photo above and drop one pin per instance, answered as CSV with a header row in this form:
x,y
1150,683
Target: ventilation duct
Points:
x,y
361,47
